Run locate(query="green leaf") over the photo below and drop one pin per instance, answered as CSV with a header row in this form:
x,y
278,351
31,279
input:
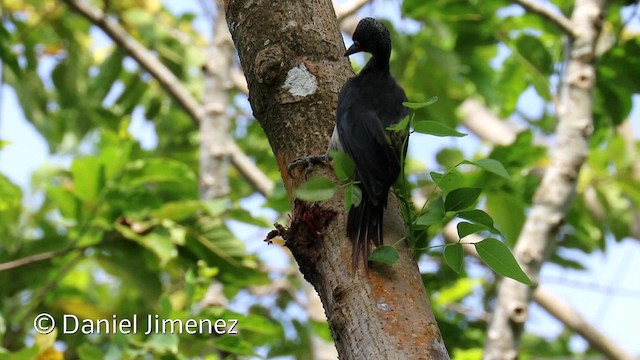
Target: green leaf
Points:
x,y
508,213
447,182
420,105
500,259
108,73
462,198
453,255
436,129
456,292
160,343
88,178
490,165
433,214
245,216
449,157
385,254
178,210
400,126
316,189
466,228
352,196
476,216
342,165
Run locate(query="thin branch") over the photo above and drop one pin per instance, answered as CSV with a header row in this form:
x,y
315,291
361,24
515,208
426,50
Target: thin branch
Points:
x,y
574,321
32,259
345,10
169,82
566,314
558,19
485,124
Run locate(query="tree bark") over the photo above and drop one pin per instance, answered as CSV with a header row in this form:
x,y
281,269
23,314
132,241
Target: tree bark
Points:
x,y
292,56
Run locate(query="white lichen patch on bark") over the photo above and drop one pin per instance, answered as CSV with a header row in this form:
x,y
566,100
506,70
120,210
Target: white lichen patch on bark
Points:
x,y
300,82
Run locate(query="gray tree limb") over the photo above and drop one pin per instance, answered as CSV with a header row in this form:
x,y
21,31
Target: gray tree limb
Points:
x,y
556,192
557,308
556,18
170,83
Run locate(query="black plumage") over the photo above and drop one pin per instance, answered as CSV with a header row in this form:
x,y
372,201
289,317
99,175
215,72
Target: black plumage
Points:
x,y
367,105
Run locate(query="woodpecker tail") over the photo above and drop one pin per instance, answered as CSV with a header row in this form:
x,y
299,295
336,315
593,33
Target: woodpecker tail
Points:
x,y
364,225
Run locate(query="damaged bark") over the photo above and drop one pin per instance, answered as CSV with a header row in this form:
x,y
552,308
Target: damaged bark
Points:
x,y
292,56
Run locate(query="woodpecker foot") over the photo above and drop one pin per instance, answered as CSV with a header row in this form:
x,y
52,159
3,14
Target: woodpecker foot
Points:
x,y
309,162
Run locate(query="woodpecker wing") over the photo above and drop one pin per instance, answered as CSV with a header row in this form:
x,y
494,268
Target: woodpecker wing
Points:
x,y
363,116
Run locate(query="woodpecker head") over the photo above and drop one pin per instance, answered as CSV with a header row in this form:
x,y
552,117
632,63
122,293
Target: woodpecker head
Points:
x,y
371,36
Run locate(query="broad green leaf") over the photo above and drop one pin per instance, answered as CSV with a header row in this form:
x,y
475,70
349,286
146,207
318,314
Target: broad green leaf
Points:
x,y
500,259
453,255
316,189
88,178
476,216
90,352
108,73
462,198
447,182
158,242
352,196
234,345
342,165
245,216
216,207
400,126
460,289
178,210
420,105
167,171
508,213
160,343
490,165
466,228
385,254
536,54
434,214
449,157
436,129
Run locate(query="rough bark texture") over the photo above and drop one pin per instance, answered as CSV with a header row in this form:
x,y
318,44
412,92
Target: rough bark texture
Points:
x,y
556,192
292,56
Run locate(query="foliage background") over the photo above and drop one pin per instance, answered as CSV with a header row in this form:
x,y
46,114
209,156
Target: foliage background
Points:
x,y
116,206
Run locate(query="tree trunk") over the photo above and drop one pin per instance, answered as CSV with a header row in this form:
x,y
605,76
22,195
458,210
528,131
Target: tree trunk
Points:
x,y
292,56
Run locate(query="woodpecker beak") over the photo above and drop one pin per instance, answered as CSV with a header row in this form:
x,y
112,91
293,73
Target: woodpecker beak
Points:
x,y
355,48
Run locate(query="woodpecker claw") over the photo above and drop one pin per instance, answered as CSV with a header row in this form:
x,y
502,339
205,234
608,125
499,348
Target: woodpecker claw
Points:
x,y
309,162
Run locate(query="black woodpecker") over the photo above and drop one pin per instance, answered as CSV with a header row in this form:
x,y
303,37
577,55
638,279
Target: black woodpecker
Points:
x,y
368,104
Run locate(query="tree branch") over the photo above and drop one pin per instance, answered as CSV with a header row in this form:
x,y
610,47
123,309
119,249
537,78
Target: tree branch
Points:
x,y
485,124
348,9
557,190
558,19
554,306
27,260
169,82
